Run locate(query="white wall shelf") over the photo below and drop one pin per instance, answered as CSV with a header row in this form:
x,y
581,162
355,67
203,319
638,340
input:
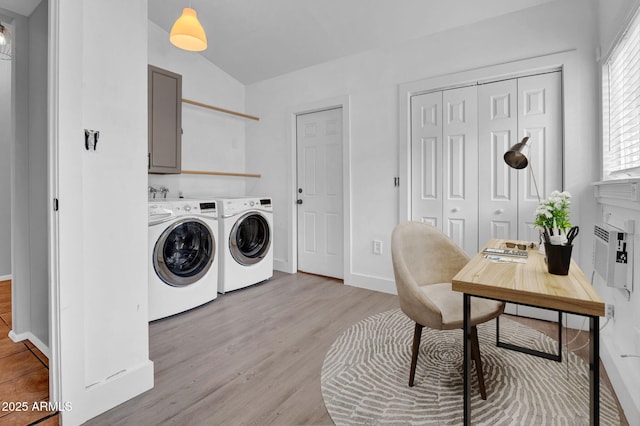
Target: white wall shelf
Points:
x,y
223,110
196,172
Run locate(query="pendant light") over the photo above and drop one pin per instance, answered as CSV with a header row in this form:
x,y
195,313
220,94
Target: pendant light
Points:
x,y
187,32
5,43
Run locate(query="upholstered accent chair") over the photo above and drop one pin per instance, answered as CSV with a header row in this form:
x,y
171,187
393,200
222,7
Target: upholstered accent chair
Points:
x,y
424,262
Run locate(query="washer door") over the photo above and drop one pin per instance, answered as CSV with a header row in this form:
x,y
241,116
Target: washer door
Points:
x,y
184,252
250,238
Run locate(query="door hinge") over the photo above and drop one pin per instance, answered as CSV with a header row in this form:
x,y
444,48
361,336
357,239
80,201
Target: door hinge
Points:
x,y
55,204
149,161
396,181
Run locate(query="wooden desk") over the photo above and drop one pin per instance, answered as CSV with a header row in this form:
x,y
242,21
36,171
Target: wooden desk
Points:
x,y
530,284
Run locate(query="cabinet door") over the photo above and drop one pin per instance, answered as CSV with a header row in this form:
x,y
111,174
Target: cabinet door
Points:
x,y
165,121
426,158
460,167
498,189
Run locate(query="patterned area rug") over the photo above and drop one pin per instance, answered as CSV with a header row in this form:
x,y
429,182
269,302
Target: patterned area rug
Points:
x,y
366,371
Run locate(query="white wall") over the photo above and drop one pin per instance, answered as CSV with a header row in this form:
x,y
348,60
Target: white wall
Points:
x,y
38,204
622,335
6,136
30,298
371,80
212,141
100,302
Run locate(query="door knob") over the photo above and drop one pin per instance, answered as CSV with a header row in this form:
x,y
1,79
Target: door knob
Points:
x,y
499,211
298,201
455,210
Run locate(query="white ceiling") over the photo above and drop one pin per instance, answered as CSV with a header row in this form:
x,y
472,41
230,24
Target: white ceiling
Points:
x,y
21,7
253,40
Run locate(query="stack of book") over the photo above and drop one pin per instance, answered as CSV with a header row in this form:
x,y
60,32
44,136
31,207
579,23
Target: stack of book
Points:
x,y
505,255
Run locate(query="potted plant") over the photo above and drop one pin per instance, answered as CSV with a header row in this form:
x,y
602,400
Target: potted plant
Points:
x,y
552,218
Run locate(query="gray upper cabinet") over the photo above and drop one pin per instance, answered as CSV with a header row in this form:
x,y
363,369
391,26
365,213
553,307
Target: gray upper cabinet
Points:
x,y
165,121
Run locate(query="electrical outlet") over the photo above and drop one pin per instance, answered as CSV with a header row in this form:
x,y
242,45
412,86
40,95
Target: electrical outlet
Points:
x,y
609,311
377,247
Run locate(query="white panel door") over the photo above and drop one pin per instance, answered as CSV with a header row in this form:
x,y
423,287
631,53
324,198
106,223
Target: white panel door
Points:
x,y
426,158
497,131
540,118
320,210
460,167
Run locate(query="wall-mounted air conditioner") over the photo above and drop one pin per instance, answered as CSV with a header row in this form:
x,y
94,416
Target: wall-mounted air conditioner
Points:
x,y
613,255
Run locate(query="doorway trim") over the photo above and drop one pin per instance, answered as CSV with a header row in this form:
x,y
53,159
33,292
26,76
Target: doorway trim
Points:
x,y
55,347
330,103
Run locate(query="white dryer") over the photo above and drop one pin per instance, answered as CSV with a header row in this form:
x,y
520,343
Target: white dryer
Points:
x,y
183,258
246,242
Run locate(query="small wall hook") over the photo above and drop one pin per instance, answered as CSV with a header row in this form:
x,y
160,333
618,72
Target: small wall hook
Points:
x,y
91,139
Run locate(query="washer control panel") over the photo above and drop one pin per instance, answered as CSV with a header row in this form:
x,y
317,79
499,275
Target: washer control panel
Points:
x,y
161,210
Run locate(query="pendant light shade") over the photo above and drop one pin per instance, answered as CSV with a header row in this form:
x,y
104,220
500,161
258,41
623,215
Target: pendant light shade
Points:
x,y
187,32
5,43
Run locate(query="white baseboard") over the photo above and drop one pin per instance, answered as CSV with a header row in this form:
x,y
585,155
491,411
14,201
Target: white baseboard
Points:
x,y
624,374
370,282
283,266
33,339
6,277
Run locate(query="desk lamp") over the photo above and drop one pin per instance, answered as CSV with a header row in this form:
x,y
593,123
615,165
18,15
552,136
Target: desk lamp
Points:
x,y
516,159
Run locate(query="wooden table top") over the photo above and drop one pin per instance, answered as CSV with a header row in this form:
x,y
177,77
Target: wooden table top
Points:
x,y
529,283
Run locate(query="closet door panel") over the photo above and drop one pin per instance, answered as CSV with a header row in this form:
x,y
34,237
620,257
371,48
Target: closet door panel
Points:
x,y
426,158
540,118
460,167
497,183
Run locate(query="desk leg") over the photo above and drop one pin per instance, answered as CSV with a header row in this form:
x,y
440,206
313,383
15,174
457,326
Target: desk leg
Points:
x,y
466,326
594,371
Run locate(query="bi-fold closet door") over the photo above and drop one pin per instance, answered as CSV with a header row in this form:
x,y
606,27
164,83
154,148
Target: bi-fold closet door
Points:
x,y
444,157
459,181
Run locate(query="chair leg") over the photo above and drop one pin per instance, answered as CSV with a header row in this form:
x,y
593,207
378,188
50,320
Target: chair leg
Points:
x,y
475,354
417,335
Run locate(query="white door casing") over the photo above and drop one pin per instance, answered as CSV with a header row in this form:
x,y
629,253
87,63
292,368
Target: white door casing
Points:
x,y
320,192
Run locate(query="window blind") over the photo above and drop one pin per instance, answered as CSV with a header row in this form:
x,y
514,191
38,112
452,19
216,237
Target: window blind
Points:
x,y
622,102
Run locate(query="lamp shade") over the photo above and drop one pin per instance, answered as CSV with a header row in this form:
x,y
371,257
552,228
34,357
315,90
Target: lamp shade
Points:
x,y
5,43
187,32
515,158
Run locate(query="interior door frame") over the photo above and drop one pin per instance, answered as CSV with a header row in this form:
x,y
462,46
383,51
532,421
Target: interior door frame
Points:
x,y
564,61
325,104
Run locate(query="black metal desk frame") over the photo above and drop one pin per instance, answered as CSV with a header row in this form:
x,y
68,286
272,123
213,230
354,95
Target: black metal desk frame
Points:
x,y
554,357
594,363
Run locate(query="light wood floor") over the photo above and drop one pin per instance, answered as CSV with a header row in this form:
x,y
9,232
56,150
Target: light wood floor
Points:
x,y
24,374
253,357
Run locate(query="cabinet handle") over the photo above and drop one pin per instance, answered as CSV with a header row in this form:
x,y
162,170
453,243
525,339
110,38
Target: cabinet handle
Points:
x,y
499,211
455,210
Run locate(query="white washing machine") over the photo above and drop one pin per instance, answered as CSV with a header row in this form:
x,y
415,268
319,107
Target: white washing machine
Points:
x,y
246,242
183,258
